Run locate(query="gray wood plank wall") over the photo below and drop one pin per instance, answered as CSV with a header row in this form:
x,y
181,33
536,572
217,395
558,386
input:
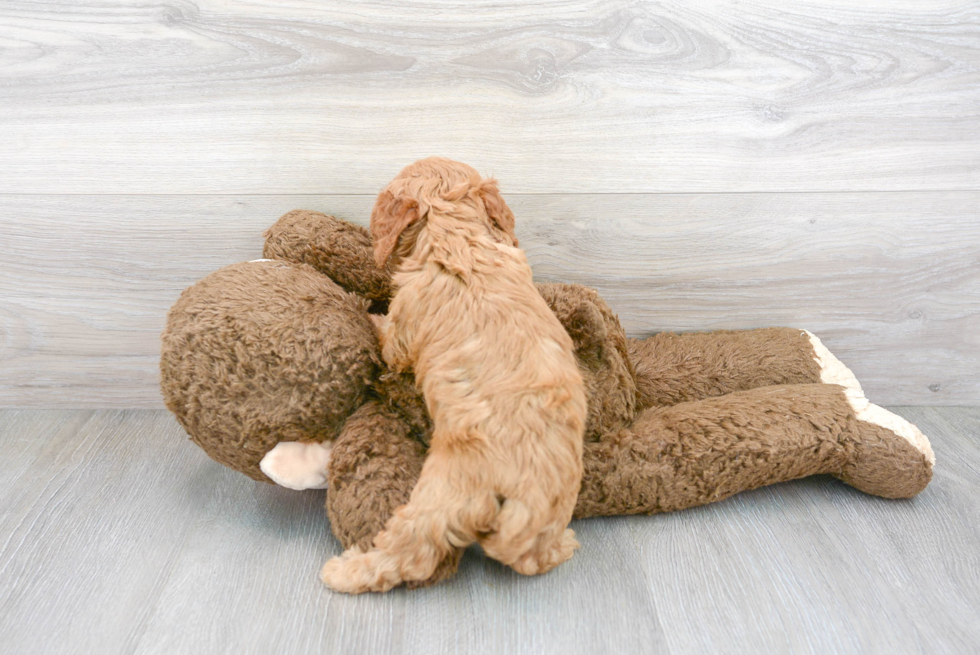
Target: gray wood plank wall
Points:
x,y
705,165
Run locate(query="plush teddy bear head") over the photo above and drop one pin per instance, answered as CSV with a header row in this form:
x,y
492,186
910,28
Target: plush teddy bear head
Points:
x,y
284,349
262,352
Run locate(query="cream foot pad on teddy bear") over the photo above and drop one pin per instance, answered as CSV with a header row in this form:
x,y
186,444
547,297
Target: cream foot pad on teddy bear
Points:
x,y
833,371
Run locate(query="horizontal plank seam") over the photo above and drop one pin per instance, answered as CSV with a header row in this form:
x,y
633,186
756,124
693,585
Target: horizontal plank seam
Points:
x,y
160,407
515,193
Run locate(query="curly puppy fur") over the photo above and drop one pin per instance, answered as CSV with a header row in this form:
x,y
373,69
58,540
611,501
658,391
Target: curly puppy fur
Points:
x,y
499,378
600,346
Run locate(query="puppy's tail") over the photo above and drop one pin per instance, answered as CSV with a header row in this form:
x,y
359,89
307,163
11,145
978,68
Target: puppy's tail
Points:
x,y
444,513
532,544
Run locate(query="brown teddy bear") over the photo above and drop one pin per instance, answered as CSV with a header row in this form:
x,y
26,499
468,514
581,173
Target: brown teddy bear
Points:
x,y
273,368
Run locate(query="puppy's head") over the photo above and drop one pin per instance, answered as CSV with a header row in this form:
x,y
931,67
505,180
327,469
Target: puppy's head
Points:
x,y
435,184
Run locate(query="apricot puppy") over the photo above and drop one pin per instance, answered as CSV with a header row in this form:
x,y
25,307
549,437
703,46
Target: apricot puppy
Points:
x,y
499,378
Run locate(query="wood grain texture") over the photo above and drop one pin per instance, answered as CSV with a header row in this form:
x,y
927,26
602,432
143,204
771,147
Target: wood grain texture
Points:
x,y
890,281
91,527
599,603
294,96
815,566
117,535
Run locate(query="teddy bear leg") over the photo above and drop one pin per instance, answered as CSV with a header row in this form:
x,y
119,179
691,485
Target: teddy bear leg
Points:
x,y
374,466
892,458
702,451
672,368
699,452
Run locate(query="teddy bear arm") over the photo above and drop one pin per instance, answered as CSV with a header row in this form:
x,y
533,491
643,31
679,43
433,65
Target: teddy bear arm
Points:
x,y
374,466
241,390
601,350
672,368
298,465
335,247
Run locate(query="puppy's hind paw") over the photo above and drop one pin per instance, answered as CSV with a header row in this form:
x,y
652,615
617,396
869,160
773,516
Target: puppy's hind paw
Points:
x,y
542,559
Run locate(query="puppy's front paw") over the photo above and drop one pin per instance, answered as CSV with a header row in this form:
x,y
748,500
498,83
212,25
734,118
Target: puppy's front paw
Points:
x,y
336,573
355,572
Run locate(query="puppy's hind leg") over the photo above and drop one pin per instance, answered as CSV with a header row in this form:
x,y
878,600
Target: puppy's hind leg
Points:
x,y
530,546
440,516
550,549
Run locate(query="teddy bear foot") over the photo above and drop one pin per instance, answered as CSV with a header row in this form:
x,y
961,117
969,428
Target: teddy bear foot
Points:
x,y
298,465
883,462
892,458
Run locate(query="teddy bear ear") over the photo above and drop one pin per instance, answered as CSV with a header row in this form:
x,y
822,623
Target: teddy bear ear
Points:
x,y
497,209
391,215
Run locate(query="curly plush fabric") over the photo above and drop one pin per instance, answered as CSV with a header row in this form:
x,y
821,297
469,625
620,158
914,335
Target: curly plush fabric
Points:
x,y
339,250
675,420
243,370
674,368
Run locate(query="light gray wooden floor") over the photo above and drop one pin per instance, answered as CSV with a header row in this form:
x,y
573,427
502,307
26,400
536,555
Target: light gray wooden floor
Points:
x,y
119,536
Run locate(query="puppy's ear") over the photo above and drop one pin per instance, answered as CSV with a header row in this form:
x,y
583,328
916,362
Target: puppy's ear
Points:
x,y
389,218
497,209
